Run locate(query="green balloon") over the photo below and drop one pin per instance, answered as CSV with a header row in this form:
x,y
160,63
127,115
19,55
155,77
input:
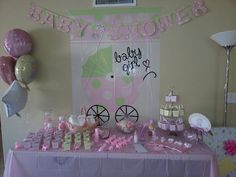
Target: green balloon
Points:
x,y
25,69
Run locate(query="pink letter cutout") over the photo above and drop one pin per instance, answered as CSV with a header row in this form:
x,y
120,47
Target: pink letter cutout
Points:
x,y
198,7
182,17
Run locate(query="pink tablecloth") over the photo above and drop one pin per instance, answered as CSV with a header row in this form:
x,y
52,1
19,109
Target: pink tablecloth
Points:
x,y
198,162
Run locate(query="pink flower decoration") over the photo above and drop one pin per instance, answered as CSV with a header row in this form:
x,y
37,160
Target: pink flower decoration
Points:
x,y
62,126
76,146
230,147
111,148
18,145
45,147
129,124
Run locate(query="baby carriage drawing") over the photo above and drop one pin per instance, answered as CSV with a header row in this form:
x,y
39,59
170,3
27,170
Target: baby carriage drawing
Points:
x,y
108,91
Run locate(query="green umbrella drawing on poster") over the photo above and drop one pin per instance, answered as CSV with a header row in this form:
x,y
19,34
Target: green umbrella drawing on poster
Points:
x,y
98,64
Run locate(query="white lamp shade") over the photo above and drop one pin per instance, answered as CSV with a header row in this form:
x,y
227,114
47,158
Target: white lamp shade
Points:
x,y
226,38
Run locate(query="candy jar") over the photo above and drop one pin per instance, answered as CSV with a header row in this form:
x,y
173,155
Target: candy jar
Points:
x,y
135,137
47,120
96,135
151,128
62,123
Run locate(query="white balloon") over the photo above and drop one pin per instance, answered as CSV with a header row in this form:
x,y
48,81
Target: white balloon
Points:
x,y
14,99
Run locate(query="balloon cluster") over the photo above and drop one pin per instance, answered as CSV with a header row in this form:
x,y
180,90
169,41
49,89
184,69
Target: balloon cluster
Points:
x,y
18,68
19,65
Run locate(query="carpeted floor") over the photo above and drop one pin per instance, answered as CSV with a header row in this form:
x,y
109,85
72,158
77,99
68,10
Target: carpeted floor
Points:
x,y
1,165
1,168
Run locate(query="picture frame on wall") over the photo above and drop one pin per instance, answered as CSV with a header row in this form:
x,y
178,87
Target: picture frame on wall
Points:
x,y
113,3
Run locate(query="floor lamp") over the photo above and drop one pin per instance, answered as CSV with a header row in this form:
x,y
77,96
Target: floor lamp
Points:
x,y
227,40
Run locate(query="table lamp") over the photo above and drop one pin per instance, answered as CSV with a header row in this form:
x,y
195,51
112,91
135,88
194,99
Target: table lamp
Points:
x,y
227,40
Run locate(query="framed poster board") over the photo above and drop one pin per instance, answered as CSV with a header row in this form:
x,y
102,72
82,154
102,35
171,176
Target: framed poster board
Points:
x,y
114,66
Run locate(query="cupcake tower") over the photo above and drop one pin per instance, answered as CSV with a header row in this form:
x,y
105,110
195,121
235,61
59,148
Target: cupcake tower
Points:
x,y
171,114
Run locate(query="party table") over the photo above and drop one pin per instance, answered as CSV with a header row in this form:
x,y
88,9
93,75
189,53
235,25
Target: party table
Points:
x,y
199,161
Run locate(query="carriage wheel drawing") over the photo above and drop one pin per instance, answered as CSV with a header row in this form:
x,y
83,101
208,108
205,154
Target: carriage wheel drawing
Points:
x,y
126,112
100,113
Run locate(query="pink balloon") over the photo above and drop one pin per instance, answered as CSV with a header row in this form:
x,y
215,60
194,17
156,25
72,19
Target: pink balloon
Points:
x,y
7,69
17,42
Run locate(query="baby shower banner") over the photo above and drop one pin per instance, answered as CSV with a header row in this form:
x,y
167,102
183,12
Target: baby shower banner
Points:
x,y
117,24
